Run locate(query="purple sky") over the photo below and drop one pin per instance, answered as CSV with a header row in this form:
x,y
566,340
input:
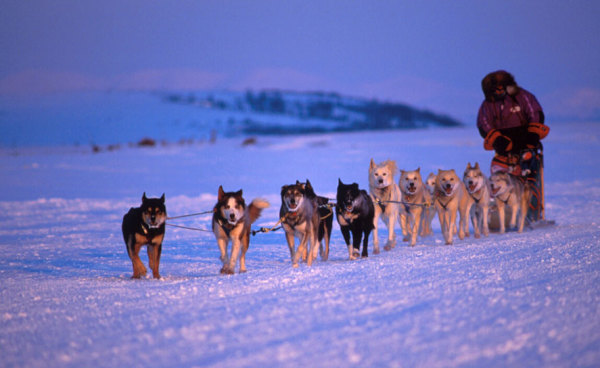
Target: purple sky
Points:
x,y
430,54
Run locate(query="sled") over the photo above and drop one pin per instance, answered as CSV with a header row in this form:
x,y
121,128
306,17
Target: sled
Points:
x,y
529,169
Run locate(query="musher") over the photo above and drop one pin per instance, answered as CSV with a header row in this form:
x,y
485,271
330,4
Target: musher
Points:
x,y
511,121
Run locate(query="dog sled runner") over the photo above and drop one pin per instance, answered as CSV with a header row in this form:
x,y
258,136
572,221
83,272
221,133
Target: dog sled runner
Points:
x,y
528,167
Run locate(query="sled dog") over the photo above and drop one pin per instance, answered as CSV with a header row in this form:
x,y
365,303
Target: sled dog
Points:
x,y
478,188
145,225
416,200
355,213
325,226
430,210
512,192
386,198
300,219
451,197
430,183
232,222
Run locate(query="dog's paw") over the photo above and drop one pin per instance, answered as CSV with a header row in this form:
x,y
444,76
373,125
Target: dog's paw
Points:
x,y
226,271
406,238
389,245
355,254
376,250
295,265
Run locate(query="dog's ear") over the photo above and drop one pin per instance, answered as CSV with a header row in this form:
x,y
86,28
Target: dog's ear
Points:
x,y
144,197
239,193
469,166
283,189
371,165
221,193
308,185
419,169
162,199
476,165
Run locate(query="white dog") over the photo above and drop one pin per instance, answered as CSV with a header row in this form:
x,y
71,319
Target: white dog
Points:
x,y
415,200
386,197
510,191
451,197
430,210
478,188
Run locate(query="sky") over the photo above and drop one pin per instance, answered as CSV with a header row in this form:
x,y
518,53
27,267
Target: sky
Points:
x,y
430,54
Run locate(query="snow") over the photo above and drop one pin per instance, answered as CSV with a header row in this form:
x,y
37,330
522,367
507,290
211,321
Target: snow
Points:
x,y
67,299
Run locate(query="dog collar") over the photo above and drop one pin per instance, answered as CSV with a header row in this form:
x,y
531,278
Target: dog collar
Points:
x,y
409,197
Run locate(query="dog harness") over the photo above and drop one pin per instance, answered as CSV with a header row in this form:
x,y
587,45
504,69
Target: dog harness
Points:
x,y
226,226
438,196
379,199
475,198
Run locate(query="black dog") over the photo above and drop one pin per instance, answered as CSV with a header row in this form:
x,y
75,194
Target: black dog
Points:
x,y
145,225
355,212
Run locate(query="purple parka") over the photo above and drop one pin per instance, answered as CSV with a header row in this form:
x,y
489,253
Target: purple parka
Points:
x,y
513,111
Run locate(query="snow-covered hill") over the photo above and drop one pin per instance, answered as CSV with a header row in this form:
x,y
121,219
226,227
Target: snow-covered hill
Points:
x,y
519,300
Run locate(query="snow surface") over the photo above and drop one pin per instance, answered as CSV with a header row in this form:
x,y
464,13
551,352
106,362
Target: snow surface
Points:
x,y
519,300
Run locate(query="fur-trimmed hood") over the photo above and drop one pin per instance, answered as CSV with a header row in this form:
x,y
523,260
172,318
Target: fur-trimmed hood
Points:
x,y
498,78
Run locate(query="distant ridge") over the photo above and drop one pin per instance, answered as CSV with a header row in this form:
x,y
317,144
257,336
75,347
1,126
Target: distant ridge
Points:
x,y
285,112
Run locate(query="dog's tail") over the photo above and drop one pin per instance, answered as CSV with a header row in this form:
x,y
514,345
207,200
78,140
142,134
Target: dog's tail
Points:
x,y
256,207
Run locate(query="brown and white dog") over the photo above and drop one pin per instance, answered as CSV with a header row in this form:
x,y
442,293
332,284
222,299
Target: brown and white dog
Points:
x,y
415,200
232,222
478,188
512,192
451,197
386,197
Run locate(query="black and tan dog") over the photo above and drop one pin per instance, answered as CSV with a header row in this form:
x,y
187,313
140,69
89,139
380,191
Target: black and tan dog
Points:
x,y
300,219
232,222
145,225
355,212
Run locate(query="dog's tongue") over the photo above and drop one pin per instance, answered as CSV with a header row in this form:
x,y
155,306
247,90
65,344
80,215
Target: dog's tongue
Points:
x,y
495,190
471,187
448,190
292,206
